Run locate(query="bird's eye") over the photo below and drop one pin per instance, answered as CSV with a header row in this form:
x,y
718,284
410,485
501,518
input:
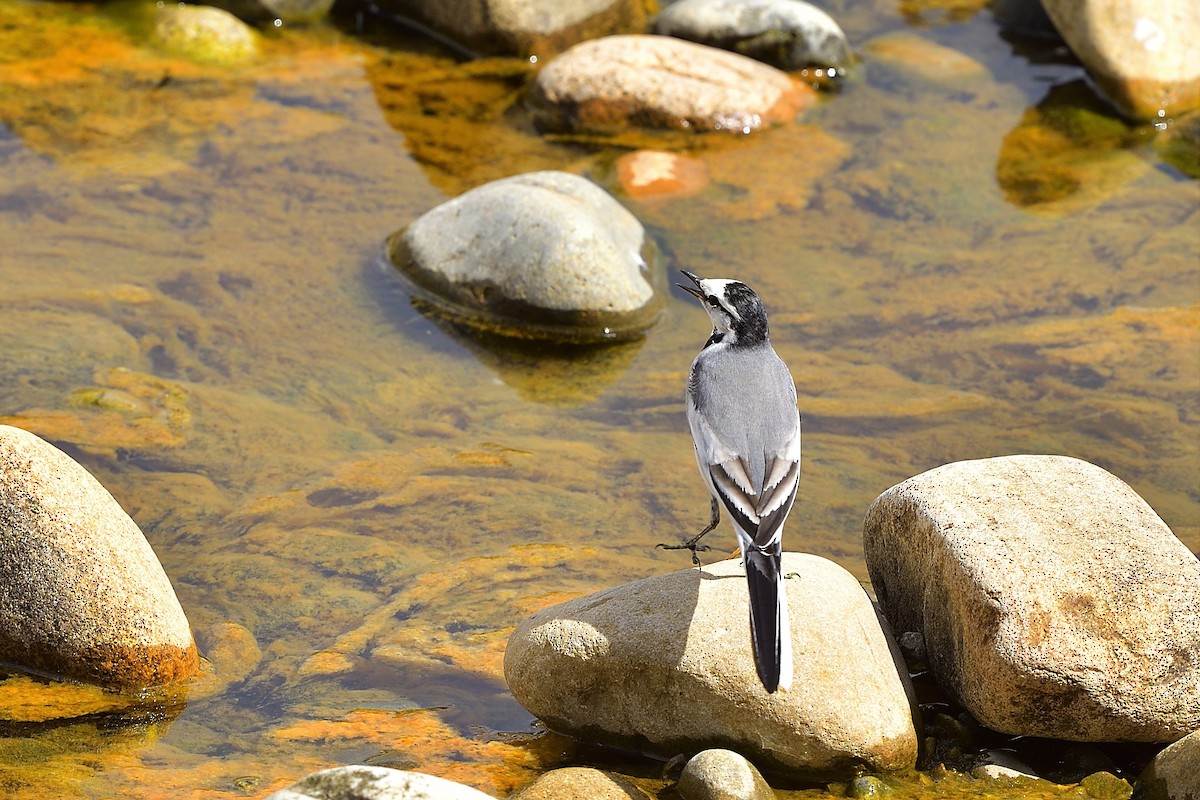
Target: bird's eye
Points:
x,y
712,300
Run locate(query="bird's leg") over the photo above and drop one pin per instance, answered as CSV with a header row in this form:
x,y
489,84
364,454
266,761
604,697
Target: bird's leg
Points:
x,y
693,543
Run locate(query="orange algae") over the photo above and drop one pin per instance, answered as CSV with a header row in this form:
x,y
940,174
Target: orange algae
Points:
x,y
493,767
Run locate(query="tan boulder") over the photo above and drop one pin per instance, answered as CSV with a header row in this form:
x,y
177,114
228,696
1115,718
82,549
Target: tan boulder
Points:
x,y
84,596
1053,600
664,665
1143,53
662,82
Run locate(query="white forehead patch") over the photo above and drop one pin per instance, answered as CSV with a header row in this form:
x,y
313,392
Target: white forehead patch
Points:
x,y
716,287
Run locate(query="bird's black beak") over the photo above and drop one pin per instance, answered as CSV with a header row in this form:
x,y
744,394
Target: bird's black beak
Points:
x,y
694,291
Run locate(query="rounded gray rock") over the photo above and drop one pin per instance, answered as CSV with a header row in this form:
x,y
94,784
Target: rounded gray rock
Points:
x,y
790,34
1053,600
84,597
1174,774
722,775
546,255
662,82
375,783
664,665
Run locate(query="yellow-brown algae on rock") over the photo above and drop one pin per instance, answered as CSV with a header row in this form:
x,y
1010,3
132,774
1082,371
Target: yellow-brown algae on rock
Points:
x,y
84,597
205,34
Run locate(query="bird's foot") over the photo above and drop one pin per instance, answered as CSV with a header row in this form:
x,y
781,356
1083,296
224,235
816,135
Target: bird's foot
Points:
x,y
691,544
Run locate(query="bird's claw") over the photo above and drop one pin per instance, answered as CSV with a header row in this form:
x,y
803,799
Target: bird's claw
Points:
x,y
691,545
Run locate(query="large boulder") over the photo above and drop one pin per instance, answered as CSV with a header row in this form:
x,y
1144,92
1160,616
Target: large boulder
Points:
x,y
1143,53
83,596
661,82
664,665
1053,600
546,255
789,34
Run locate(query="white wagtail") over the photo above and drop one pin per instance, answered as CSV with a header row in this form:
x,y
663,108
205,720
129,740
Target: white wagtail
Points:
x,y
741,406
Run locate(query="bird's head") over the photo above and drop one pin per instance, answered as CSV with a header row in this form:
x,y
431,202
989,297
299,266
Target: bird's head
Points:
x,y
737,315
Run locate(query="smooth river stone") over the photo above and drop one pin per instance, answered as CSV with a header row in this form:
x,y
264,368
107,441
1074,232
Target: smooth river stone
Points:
x,y
661,82
1052,599
84,596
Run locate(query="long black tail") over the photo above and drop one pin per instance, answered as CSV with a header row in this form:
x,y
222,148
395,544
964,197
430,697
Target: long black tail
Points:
x,y
769,625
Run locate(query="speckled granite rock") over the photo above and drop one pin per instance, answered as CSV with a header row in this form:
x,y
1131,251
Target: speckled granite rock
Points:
x,y
662,82
670,656
85,597
1053,600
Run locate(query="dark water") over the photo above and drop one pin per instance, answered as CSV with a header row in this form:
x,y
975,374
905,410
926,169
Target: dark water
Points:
x,y
963,256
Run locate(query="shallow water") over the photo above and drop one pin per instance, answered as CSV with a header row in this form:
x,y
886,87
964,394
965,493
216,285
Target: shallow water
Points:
x,y
356,503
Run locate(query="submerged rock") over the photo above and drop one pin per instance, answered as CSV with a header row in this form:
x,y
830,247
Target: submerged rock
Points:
x,y
661,82
1053,600
1141,52
375,783
671,657
203,33
85,597
789,34
545,255
523,27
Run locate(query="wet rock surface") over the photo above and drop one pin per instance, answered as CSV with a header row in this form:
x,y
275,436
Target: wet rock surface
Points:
x,y
661,82
672,656
789,34
545,255
85,597
523,27
203,33
1143,52
1053,600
